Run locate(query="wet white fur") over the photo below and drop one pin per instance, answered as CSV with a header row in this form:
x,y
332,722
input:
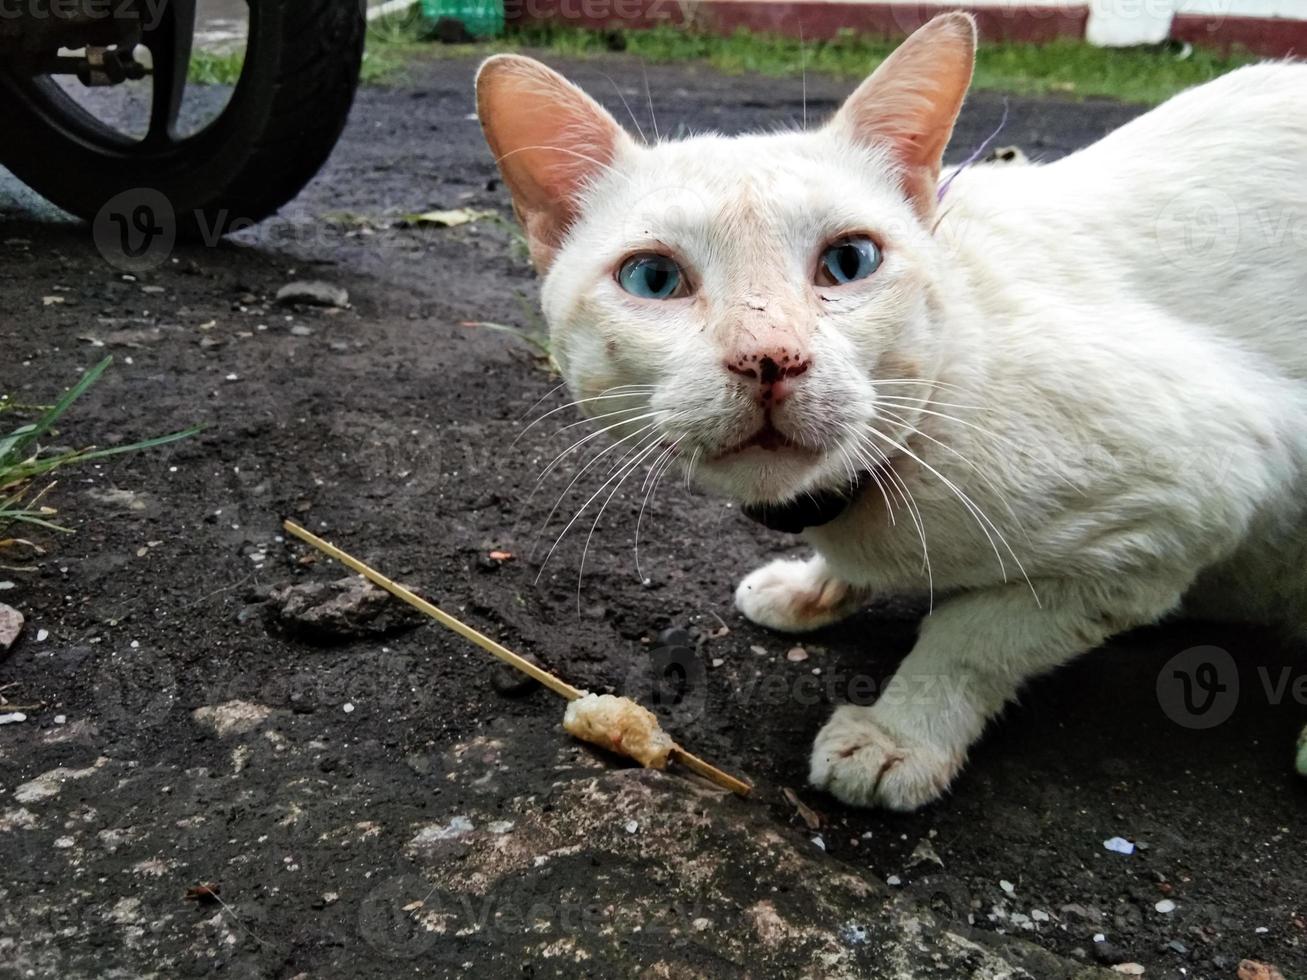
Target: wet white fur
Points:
x,y
1121,336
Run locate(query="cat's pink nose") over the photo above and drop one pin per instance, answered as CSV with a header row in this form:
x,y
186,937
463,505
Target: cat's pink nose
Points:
x,y
772,370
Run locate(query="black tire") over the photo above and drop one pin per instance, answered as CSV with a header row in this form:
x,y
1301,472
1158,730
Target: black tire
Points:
x,y
300,73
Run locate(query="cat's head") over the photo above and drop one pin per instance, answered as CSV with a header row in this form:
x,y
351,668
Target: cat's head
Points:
x,y
758,302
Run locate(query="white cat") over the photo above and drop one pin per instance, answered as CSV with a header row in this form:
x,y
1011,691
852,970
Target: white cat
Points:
x,y
1060,398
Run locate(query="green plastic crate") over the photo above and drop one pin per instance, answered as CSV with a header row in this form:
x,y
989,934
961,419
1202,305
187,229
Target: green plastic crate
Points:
x,y
480,18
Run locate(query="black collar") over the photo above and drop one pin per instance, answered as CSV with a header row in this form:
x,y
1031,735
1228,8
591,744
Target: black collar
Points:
x,y
808,509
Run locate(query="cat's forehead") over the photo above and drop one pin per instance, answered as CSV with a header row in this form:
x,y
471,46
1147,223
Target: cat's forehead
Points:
x,y
723,163
748,182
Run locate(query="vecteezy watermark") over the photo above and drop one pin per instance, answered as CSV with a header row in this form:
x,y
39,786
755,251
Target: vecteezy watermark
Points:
x,y
1199,687
136,230
148,12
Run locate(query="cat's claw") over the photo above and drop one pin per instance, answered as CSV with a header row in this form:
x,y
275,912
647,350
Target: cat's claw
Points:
x,y
860,762
796,596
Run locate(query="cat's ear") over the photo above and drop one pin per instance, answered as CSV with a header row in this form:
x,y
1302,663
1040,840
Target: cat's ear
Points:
x,y
909,103
550,139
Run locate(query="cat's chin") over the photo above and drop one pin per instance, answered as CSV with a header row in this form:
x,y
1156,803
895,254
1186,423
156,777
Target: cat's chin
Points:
x,y
757,476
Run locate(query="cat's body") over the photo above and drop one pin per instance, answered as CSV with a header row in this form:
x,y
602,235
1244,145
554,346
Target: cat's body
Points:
x,y
1076,393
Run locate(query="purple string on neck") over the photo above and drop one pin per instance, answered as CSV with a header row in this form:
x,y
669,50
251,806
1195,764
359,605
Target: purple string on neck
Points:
x,y
943,188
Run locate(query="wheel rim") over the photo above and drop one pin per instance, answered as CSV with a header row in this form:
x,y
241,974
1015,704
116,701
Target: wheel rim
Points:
x,y
170,43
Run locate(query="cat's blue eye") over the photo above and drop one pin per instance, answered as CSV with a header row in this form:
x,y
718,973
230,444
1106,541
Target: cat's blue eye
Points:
x,y
650,276
848,260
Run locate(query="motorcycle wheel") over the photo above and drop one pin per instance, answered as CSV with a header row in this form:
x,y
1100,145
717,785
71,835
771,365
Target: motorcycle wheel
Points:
x,y
297,83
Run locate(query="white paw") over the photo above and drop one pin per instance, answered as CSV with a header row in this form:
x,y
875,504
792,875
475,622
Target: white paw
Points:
x,y
860,762
796,596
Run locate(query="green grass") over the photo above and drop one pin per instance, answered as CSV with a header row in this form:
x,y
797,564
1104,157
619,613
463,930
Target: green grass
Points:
x,y
392,43
24,462
1064,67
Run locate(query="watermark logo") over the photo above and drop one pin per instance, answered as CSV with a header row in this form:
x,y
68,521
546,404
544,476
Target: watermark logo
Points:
x,y
136,230
1199,687
401,918
672,681
1202,224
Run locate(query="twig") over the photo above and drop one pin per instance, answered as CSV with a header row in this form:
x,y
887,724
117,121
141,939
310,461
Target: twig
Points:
x,y
555,684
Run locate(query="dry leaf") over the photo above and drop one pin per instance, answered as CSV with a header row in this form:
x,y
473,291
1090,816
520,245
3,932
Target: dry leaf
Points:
x,y
807,814
446,219
206,894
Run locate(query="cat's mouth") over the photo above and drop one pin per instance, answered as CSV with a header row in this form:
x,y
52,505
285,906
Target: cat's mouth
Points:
x,y
768,438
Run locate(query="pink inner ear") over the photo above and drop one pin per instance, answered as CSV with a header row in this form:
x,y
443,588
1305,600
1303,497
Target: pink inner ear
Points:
x,y
551,141
912,100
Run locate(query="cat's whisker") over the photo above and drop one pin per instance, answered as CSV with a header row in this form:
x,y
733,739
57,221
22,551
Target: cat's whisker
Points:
x,y
882,463
848,454
594,435
650,484
591,499
627,106
803,72
912,429
600,418
689,469
648,94
543,398
927,382
580,473
618,392
1011,444
982,519
926,400
585,550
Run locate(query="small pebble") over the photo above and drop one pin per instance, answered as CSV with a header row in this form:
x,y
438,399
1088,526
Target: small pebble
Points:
x,y
1008,887
1119,845
894,881
1130,969
1108,954
12,718
632,826
512,683
796,655
1165,906
347,707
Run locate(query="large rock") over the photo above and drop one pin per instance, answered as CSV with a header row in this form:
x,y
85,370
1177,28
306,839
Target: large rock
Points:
x,y
11,624
344,609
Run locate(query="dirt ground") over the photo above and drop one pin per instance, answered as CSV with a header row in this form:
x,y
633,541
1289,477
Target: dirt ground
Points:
x,y
360,781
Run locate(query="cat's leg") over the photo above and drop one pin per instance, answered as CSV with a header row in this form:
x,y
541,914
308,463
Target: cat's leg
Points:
x,y
973,654
796,596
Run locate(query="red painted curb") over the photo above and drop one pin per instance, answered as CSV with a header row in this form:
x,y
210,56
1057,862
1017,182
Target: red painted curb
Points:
x,y
811,19
821,20
1271,37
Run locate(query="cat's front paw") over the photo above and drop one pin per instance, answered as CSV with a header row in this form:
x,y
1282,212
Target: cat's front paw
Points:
x,y
796,596
861,762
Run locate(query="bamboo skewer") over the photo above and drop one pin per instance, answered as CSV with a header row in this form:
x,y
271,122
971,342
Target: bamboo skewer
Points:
x,y
555,684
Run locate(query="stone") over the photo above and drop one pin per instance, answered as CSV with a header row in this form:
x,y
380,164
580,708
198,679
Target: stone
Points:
x,y
343,609
313,293
232,717
11,624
